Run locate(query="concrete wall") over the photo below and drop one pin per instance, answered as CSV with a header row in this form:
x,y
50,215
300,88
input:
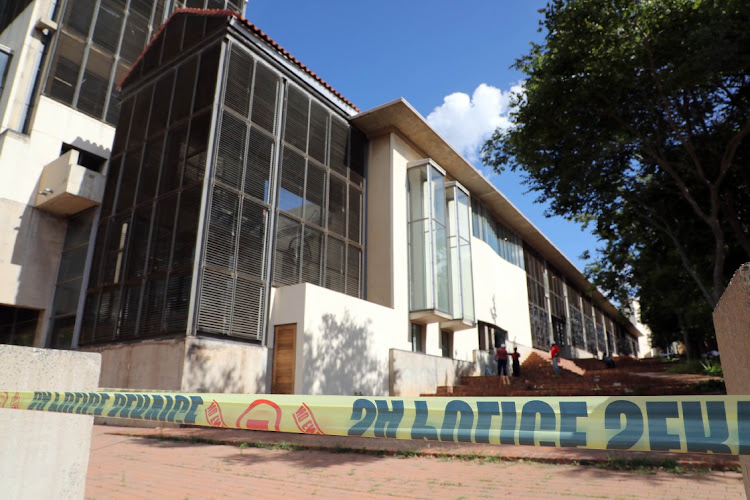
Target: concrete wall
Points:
x,y
217,365
149,364
44,455
413,374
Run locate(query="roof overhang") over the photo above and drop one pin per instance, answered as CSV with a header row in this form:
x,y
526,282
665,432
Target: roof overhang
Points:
x,y
400,117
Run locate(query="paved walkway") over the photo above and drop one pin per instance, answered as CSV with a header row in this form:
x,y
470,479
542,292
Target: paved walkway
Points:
x,y
123,466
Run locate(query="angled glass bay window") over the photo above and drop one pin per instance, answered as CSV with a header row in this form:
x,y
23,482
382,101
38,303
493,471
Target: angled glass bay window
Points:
x,y
430,297
459,243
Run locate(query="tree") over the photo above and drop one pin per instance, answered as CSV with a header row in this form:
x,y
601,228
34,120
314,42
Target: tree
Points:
x,y
636,117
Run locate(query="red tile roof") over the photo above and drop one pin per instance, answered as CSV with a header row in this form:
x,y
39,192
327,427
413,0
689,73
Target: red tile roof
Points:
x,y
257,31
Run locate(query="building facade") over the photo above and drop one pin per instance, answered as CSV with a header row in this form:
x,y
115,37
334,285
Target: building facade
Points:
x,y
257,233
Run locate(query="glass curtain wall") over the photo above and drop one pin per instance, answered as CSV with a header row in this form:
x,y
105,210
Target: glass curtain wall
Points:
x,y
502,240
535,281
577,333
429,260
142,268
459,242
590,326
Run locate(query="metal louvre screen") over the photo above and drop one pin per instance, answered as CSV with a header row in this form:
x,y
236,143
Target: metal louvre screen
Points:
x,y
232,292
142,269
577,332
96,45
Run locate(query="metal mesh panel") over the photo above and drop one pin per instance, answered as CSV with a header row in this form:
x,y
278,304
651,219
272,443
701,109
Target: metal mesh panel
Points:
x,y
576,327
206,85
154,297
337,205
161,234
216,302
339,146
353,271
130,306
265,95
247,316
358,153
222,228
78,16
239,82
150,166
288,248
292,182
114,246
160,108
335,265
540,333
611,341
95,84
111,187
108,311
557,297
177,302
259,165
194,26
108,24
591,344
98,256
252,244
315,194
172,39
355,214
312,256
123,125
318,132
150,58
63,76
174,159
296,119
137,253
197,149
135,36
129,180
186,230
231,152
182,98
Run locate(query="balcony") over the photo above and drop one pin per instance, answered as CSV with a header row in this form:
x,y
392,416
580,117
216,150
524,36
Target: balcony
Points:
x,y
66,188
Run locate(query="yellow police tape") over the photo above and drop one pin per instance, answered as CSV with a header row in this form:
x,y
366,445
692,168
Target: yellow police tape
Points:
x,y
695,424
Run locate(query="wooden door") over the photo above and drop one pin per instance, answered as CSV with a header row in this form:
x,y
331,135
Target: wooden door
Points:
x,y
284,356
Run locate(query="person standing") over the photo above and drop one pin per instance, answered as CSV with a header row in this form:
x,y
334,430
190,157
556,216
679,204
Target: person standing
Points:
x,y
555,355
516,362
501,355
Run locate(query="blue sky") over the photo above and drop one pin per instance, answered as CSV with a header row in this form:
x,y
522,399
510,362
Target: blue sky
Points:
x,y
450,59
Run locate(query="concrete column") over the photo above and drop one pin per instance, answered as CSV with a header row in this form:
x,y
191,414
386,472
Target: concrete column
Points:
x,y
732,324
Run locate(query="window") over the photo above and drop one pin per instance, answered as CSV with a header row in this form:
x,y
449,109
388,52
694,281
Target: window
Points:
x,y
446,343
5,56
18,325
86,159
459,243
429,259
503,241
536,284
417,337
96,45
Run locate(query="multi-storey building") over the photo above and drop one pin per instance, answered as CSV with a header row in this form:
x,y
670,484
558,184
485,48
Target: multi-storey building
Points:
x,y
258,233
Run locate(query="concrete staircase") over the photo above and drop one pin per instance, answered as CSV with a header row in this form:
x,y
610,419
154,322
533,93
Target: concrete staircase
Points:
x,y
592,379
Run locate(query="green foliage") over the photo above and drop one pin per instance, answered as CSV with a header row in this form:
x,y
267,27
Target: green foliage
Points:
x,y
712,386
712,368
635,118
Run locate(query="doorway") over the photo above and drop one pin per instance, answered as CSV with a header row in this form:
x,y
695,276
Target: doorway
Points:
x,y
284,357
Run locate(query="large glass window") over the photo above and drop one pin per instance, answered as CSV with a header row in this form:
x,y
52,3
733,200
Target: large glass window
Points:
x,y
536,284
18,325
502,240
429,259
459,243
577,333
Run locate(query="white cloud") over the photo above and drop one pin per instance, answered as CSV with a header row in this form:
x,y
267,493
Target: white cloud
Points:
x,y
467,122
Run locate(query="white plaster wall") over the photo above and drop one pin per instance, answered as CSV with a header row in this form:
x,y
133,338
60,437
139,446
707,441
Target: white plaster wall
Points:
x,y
30,246
44,455
216,365
500,293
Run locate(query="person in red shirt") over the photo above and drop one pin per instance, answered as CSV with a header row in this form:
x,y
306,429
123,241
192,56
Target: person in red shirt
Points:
x,y
555,355
516,363
501,355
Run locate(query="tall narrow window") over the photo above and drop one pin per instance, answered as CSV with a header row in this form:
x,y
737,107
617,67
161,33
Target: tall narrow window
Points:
x,y
429,258
459,243
417,337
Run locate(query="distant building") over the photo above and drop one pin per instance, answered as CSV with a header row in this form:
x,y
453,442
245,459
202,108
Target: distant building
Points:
x,y
258,233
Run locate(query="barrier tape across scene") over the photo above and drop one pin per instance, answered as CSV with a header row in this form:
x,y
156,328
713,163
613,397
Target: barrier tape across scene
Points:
x,y
690,424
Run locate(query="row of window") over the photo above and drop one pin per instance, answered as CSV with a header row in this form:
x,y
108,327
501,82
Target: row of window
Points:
x,y
503,241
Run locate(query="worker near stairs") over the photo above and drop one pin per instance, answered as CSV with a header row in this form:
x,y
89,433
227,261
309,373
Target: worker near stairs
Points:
x,y
554,353
501,355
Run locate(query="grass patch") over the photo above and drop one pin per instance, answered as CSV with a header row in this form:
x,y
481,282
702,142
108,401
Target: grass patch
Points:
x,y
713,386
640,464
